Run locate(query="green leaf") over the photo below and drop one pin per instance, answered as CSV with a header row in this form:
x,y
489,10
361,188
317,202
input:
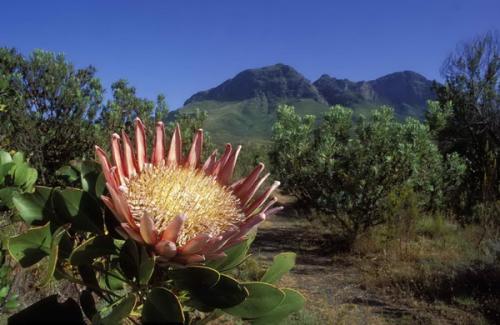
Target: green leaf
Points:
x,y
4,157
92,179
94,247
282,264
68,172
146,266
136,262
121,309
31,177
193,277
129,259
81,209
292,303
25,176
20,174
76,164
208,288
262,299
235,255
112,280
18,157
6,196
6,169
4,291
162,307
30,247
34,206
54,254
227,292
50,311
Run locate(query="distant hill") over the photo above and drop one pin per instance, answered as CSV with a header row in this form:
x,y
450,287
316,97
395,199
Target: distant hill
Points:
x,y
244,108
407,92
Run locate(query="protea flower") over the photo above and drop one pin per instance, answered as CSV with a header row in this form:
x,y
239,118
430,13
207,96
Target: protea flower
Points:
x,y
185,211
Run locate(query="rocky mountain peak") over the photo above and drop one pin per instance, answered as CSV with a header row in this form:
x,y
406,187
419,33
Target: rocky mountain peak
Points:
x,y
276,83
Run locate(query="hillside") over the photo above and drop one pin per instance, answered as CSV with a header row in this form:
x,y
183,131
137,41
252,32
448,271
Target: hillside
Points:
x,y
244,107
246,120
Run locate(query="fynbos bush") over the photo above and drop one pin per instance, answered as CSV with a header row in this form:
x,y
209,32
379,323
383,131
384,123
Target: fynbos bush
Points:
x,y
347,170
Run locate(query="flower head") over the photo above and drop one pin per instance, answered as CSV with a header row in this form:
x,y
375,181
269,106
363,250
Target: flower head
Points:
x,y
186,211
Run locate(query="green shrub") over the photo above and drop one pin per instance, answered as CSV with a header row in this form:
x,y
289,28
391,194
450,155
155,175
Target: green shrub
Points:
x,y
348,171
16,178
434,226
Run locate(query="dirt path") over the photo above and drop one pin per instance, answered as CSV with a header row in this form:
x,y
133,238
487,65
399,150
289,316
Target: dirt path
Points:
x,y
333,282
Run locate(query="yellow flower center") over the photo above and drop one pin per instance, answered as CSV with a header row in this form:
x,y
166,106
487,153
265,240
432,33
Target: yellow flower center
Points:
x,y
166,192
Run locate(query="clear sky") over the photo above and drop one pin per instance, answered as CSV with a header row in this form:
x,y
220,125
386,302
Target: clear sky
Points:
x,y
180,47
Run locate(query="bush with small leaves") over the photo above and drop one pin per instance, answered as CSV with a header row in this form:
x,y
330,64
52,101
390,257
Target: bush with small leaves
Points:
x,y
347,170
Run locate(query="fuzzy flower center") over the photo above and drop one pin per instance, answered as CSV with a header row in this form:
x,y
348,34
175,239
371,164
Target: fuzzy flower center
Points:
x,y
166,192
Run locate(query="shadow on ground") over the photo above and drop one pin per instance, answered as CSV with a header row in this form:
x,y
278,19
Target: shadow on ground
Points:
x,y
332,279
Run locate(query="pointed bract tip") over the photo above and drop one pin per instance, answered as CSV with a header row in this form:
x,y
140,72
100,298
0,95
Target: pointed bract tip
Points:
x,y
99,150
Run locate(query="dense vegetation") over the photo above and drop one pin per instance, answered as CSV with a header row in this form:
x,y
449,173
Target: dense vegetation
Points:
x,y
349,170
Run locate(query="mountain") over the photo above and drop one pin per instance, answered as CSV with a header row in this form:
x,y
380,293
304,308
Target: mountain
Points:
x,y
407,92
243,108
275,83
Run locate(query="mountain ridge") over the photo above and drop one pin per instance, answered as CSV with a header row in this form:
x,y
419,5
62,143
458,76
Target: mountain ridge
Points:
x,y
243,107
276,81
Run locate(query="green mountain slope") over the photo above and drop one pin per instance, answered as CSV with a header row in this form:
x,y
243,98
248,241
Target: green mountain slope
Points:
x,y
246,120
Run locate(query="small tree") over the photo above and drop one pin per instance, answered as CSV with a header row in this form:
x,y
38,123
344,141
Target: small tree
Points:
x,y
125,106
48,108
469,116
289,153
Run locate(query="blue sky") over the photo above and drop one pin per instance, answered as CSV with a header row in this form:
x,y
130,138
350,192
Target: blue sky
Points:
x,y
180,47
